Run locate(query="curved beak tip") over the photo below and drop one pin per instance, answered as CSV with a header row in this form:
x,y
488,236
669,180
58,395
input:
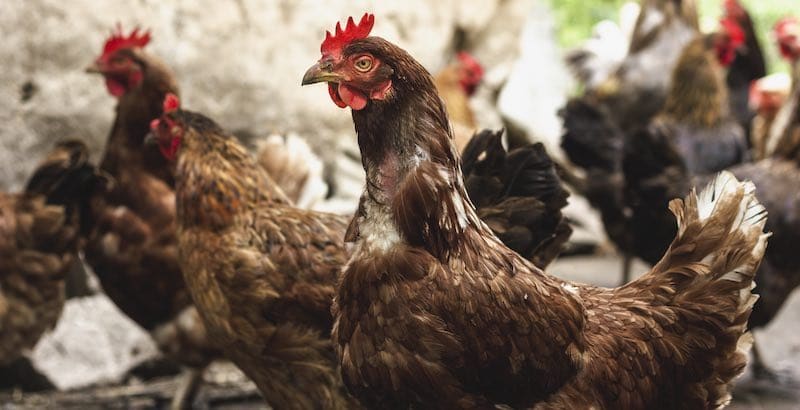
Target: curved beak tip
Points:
x,y
93,68
318,74
150,139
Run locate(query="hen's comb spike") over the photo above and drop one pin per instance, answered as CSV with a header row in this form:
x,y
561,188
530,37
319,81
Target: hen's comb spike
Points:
x,y
171,103
117,40
333,44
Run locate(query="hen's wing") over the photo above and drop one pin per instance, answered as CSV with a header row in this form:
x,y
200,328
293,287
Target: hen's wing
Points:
x,y
267,291
518,194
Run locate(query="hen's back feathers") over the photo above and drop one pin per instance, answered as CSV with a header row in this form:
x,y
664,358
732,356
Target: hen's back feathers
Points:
x,y
518,194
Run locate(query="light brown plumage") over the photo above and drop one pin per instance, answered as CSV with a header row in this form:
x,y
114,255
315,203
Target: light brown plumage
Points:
x,y
260,271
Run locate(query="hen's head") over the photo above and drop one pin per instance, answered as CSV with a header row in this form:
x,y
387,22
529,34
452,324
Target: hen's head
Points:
x,y
168,131
734,10
768,94
121,62
728,39
787,35
354,65
470,72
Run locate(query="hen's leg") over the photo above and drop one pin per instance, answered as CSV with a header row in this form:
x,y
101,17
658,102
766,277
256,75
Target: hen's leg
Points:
x,y
190,380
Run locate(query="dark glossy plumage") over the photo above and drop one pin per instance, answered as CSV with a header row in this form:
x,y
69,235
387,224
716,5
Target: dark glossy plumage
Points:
x,y
518,194
748,66
632,176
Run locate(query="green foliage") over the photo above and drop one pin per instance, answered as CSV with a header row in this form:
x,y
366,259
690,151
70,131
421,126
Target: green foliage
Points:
x,y
575,19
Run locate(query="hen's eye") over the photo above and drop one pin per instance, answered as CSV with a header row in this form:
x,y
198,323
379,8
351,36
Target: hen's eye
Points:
x,y
363,64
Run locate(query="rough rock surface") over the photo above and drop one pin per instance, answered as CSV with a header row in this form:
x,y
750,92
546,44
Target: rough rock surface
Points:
x,y
238,60
93,342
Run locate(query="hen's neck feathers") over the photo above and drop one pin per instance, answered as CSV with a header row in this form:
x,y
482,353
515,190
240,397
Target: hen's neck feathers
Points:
x,y
125,148
217,180
415,189
697,93
140,105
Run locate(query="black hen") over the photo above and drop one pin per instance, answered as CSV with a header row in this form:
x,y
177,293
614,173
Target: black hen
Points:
x,y
518,194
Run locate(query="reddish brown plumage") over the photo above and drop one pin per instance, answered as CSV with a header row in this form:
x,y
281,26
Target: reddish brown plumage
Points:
x,y
39,240
433,311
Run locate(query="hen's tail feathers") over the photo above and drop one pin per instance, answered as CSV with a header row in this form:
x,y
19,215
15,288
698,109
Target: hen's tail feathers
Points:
x,y
65,177
518,194
708,274
292,164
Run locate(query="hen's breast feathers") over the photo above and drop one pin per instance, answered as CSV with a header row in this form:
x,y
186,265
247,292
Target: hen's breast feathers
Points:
x,y
132,248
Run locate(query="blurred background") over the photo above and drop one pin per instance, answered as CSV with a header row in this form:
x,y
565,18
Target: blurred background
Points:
x,y
241,62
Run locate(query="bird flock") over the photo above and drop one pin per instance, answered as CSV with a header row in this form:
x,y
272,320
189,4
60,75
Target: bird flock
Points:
x,y
432,292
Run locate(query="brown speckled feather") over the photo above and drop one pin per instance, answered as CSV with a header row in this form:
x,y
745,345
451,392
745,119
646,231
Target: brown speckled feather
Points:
x,y
39,241
260,271
433,311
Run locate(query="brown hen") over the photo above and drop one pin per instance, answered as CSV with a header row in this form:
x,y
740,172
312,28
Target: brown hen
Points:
x,y
261,272
456,84
40,232
433,311
267,301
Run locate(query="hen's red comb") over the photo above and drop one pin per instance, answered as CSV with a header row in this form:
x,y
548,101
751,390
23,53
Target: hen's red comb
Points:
x,y
734,31
333,44
171,103
118,41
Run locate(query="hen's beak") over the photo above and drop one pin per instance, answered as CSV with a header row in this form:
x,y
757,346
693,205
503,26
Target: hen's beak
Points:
x,y
94,68
321,72
150,139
